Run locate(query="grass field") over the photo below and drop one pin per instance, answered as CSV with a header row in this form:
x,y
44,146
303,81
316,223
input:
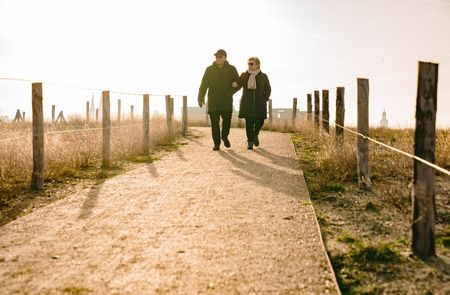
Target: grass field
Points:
x,y
368,233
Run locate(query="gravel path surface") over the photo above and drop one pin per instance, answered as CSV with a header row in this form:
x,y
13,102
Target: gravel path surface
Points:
x,y
195,222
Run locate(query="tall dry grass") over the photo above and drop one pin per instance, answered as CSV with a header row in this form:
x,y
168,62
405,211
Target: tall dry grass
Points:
x,y
338,156
66,152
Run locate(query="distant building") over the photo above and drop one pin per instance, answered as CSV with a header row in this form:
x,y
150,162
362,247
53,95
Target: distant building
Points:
x,y
285,114
384,121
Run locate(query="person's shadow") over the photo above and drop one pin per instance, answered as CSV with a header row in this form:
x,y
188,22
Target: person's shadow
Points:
x,y
264,175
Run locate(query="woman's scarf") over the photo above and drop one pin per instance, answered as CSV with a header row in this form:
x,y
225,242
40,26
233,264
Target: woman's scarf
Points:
x,y
251,84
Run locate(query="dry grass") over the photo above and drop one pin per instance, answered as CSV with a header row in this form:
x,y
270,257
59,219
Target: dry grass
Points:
x,y
69,151
368,233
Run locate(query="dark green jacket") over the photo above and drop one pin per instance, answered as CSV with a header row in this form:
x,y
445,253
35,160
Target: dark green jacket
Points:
x,y
218,82
254,101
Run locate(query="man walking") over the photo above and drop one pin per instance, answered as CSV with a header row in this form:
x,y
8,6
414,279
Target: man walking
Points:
x,y
220,80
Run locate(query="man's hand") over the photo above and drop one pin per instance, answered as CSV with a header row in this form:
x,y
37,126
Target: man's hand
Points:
x,y
201,103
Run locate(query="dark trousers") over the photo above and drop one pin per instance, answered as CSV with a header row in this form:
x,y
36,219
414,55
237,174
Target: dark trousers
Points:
x,y
215,125
252,127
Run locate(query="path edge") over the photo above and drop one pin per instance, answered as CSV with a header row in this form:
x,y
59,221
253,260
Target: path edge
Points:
x,y
324,249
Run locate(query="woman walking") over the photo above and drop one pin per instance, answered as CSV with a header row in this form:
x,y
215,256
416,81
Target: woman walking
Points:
x,y
253,106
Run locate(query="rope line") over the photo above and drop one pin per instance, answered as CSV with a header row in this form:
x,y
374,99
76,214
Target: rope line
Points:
x,y
89,88
391,148
68,131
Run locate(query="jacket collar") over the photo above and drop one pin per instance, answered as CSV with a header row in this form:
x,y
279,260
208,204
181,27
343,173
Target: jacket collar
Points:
x,y
224,65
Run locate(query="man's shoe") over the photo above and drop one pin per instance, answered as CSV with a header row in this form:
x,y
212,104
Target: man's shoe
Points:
x,y
216,147
226,142
250,145
256,140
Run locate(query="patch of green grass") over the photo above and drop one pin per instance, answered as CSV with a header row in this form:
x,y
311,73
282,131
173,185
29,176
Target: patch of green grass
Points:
x,y
333,187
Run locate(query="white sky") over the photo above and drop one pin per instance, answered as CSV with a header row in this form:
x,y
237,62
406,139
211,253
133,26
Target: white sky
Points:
x,y
164,47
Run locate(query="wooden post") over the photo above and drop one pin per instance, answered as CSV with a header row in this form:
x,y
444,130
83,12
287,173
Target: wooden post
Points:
x,y
294,110
423,190
316,107
184,119
340,111
146,123
106,124
87,112
96,114
169,106
132,112
23,117
309,106
270,112
119,110
362,154
37,176
53,113
325,111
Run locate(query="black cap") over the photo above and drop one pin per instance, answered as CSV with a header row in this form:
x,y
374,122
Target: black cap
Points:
x,y
221,52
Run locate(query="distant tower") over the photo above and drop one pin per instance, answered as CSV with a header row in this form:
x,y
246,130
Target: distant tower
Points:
x,y
384,121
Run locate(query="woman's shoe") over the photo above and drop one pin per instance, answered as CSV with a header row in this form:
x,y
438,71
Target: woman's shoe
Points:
x,y
250,145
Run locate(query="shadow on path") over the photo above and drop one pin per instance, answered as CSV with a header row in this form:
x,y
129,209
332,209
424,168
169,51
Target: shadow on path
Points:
x,y
262,174
90,202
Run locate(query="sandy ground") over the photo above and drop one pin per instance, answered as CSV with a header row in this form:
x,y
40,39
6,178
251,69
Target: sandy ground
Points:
x,y
194,222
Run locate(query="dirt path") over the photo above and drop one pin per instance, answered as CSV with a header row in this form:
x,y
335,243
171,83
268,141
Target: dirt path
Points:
x,y
194,222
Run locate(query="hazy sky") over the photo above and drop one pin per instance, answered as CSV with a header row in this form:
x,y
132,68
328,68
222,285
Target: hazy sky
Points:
x,y
164,47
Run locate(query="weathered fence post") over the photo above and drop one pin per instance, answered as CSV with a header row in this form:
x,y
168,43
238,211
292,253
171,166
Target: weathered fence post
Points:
x,y
23,117
309,107
184,119
270,112
362,154
87,112
96,114
325,111
316,108
146,123
119,110
340,111
106,124
294,110
37,176
423,190
53,113
132,112
169,106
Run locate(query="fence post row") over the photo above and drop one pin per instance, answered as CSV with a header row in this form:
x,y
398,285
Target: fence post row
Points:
x,y
146,123
270,111
362,154
184,119
37,176
309,107
294,110
316,107
340,111
106,124
423,191
325,111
